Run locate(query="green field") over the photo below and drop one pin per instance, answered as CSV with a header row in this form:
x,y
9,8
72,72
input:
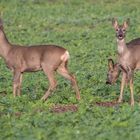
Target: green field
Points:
x,y
84,28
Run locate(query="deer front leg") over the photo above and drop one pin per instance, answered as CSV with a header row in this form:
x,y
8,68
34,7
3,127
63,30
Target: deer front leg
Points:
x,y
131,91
122,87
129,74
19,86
16,82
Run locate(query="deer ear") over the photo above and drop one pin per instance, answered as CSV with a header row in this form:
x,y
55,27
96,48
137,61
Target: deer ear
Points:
x,y
126,23
110,64
115,23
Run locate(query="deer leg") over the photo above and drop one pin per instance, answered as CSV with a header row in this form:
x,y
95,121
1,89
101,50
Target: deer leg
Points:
x,y
129,74
16,82
131,91
52,83
19,86
122,87
62,70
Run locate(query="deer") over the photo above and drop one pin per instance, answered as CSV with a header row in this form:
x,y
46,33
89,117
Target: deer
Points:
x,y
48,58
128,60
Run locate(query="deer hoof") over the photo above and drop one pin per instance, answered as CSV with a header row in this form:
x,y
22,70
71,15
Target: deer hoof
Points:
x,y
78,97
43,98
132,104
120,101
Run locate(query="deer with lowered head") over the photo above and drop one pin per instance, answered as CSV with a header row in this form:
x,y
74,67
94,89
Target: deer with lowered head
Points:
x,y
128,60
49,58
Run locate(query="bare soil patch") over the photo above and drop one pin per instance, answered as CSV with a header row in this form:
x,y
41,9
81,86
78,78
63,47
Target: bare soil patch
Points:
x,y
107,104
64,108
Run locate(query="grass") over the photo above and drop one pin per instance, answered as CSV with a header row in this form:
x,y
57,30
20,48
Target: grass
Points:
x,y
84,28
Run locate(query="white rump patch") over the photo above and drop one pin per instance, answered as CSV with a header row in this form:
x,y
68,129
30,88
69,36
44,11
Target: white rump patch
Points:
x,y
65,56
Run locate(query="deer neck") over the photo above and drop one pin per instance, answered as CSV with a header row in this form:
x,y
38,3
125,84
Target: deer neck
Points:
x,y
122,48
5,46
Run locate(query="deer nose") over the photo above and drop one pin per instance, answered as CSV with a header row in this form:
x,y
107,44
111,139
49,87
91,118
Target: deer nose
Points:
x,y
108,82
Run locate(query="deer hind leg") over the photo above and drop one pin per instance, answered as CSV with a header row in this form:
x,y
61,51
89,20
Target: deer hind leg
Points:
x,y
62,70
19,86
16,83
52,82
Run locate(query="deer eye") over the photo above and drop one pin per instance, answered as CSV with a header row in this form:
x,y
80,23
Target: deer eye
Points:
x,y
111,71
117,30
123,30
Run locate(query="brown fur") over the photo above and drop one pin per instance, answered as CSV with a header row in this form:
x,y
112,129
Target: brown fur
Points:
x,y
113,72
128,57
49,58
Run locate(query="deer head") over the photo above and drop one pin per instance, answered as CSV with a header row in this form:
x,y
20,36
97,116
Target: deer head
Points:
x,y
113,72
120,29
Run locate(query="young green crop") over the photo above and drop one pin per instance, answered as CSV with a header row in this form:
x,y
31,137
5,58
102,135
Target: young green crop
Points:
x,y
84,28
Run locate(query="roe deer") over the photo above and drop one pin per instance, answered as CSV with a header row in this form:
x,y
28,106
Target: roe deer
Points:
x,y
114,70
49,58
128,58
